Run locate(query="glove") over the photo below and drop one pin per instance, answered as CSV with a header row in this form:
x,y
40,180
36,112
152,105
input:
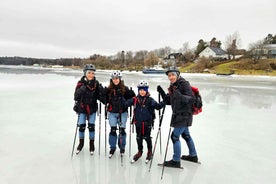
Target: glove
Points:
x,y
82,89
161,91
131,93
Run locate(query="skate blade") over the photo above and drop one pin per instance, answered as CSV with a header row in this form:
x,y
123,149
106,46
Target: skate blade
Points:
x,y
161,165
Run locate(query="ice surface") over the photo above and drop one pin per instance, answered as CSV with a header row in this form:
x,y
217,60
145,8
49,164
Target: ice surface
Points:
x,y
234,135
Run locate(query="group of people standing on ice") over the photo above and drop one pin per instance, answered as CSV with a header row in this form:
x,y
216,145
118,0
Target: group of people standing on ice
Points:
x,y
118,97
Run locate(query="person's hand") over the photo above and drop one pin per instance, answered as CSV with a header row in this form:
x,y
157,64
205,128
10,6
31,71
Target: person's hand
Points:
x,y
161,91
131,93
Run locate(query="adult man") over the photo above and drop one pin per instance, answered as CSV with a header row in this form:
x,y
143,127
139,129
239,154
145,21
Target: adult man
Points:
x,y
180,98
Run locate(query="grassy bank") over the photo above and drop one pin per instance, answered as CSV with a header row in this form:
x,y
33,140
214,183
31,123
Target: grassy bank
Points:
x,y
241,67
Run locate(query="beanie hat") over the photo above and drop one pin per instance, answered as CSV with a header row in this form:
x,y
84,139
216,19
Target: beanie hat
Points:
x,y
175,73
86,72
145,88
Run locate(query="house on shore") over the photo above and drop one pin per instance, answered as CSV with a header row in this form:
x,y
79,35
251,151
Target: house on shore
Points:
x,y
214,52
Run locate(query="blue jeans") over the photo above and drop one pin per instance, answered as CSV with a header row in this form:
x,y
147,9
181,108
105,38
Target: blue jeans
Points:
x,y
184,132
114,121
82,122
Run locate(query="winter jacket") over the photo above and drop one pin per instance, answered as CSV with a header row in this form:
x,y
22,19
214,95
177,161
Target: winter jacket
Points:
x,y
86,95
144,108
181,99
115,99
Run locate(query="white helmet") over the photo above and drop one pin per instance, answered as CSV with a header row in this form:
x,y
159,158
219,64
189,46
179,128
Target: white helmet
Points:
x,y
116,74
143,83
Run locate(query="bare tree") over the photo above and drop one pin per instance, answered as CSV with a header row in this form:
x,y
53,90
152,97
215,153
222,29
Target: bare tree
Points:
x,y
163,52
232,43
257,50
151,59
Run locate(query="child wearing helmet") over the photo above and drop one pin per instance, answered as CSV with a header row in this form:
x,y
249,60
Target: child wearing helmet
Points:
x,y
144,115
87,92
115,96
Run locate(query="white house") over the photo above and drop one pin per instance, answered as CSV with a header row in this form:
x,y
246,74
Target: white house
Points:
x,y
213,52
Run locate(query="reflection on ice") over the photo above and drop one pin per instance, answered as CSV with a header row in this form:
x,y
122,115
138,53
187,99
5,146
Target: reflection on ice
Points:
x,y
234,135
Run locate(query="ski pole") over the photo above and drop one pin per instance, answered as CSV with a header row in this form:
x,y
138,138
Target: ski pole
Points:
x,y
159,99
105,114
100,122
121,136
75,137
159,132
166,152
130,123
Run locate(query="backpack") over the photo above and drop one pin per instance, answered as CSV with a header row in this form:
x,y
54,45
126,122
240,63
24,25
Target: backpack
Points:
x,y
197,105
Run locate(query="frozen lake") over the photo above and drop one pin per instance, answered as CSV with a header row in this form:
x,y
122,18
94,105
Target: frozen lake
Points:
x,y
235,135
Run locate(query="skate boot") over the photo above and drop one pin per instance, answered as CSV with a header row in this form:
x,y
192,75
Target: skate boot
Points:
x,y
111,152
189,158
136,156
172,163
122,152
91,146
80,146
149,156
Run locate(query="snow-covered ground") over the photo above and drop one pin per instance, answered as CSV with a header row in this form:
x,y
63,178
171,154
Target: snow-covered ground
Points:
x,y
234,135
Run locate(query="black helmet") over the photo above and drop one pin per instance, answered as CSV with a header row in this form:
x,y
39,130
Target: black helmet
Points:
x,y
89,67
173,69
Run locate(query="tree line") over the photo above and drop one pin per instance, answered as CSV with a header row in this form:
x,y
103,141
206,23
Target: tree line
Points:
x,y
139,59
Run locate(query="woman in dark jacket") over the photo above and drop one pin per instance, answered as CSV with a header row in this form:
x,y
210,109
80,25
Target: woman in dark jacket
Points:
x,y
180,98
115,96
86,94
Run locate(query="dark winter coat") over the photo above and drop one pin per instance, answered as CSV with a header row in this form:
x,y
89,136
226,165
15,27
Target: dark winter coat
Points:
x,y
144,107
181,99
86,95
115,98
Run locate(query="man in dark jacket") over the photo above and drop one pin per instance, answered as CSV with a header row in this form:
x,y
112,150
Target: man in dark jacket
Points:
x,y
180,98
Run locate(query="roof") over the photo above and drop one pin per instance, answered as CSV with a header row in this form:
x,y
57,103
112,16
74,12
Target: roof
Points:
x,y
218,51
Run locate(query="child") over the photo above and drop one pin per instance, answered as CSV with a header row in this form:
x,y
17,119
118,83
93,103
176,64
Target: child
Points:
x,y
115,96
86,94
144,115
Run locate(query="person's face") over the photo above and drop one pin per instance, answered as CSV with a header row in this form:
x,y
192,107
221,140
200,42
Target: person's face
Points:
x,y
90,75
172,77
142,92
116,80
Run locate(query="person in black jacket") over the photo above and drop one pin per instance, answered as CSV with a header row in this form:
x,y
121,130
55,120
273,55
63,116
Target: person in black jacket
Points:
x,y
144,115
180,98
116,95
87,92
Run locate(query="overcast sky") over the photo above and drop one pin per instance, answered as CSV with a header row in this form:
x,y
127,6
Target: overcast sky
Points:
x,y
80,28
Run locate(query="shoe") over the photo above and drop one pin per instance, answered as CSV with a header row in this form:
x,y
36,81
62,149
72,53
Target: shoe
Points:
x,y
137,156
80,146
172,163
189,158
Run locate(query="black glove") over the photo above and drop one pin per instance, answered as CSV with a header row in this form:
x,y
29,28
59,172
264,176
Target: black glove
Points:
x,y
82,89
131,93
105,90
161,91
